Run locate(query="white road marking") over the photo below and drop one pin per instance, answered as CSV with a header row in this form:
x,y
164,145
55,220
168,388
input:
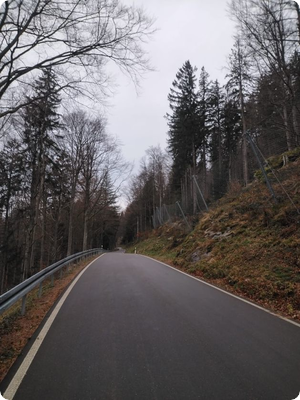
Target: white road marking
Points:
x,y
224,291
21,372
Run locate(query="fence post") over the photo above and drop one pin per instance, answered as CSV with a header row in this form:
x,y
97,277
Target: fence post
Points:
x,y
40,290
201,194
167,212
23,304
252,144
186,221
158,216
161,214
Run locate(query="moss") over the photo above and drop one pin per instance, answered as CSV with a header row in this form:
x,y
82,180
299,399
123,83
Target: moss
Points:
x,y
277,162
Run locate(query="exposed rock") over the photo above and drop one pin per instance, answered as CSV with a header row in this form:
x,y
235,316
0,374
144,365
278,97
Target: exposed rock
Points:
x,y
218,235
197,256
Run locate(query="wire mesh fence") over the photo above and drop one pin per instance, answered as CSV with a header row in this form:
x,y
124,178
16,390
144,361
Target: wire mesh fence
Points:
x,y
200,191
192,202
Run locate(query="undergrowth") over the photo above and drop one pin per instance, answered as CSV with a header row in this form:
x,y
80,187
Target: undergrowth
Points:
x,y
247,243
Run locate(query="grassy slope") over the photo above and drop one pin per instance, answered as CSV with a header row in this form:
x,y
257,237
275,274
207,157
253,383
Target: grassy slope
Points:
x,y
247,243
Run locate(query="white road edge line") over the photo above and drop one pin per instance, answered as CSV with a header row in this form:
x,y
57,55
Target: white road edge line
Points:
x,y
21,372
224,291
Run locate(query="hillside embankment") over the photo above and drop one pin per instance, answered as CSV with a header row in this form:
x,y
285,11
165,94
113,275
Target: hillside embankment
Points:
x,y
248,243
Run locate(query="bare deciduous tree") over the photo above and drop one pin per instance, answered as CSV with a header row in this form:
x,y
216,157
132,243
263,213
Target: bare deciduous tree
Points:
x,y
95,165
75,137
269,30
78,37
239,78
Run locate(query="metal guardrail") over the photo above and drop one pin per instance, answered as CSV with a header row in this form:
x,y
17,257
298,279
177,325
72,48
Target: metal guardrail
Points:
x,y
20,291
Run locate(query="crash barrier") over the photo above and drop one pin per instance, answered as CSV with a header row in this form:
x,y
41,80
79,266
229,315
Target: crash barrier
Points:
x,y
20,291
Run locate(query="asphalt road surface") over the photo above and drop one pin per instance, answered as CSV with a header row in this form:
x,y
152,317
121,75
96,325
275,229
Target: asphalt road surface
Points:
x,y
133,328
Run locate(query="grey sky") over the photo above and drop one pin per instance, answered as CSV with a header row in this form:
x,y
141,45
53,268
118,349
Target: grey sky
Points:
x,y
195,30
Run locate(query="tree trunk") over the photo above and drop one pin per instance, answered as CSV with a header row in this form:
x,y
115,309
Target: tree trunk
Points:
x,y
205,192
230,167
71,218
33,235
288,133
220,155
193,187
29,241
245,159
43,232
85,231
296,125
244,139
186,191
3,274
56,231
3,259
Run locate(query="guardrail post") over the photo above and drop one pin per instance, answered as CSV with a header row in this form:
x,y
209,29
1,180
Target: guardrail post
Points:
x,y
40,290
23,305
61,274
52,280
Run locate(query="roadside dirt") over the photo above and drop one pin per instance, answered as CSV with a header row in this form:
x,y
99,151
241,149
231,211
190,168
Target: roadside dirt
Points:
x,y
16,330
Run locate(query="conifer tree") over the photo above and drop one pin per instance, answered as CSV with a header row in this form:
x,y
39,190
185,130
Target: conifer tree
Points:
x,y
183,123
239,79
232,134
11,177
204,93
41,123
216,121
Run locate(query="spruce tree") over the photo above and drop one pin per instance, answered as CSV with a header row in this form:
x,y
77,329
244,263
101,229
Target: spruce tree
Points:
x,y
11,178
41,123
183,123
215,118
203,93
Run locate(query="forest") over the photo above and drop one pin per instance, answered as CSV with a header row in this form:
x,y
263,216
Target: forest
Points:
x,y
60,171
220,134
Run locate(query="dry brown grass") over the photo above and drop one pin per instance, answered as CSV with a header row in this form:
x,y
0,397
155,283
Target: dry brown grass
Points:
x,y
247,244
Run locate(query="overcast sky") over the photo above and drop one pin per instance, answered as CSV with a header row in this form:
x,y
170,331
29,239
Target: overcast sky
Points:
x,y
196,30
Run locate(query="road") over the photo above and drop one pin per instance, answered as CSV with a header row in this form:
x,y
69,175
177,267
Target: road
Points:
x,y
132,328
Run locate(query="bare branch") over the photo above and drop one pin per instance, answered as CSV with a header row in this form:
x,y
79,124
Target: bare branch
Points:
x,y
73,35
